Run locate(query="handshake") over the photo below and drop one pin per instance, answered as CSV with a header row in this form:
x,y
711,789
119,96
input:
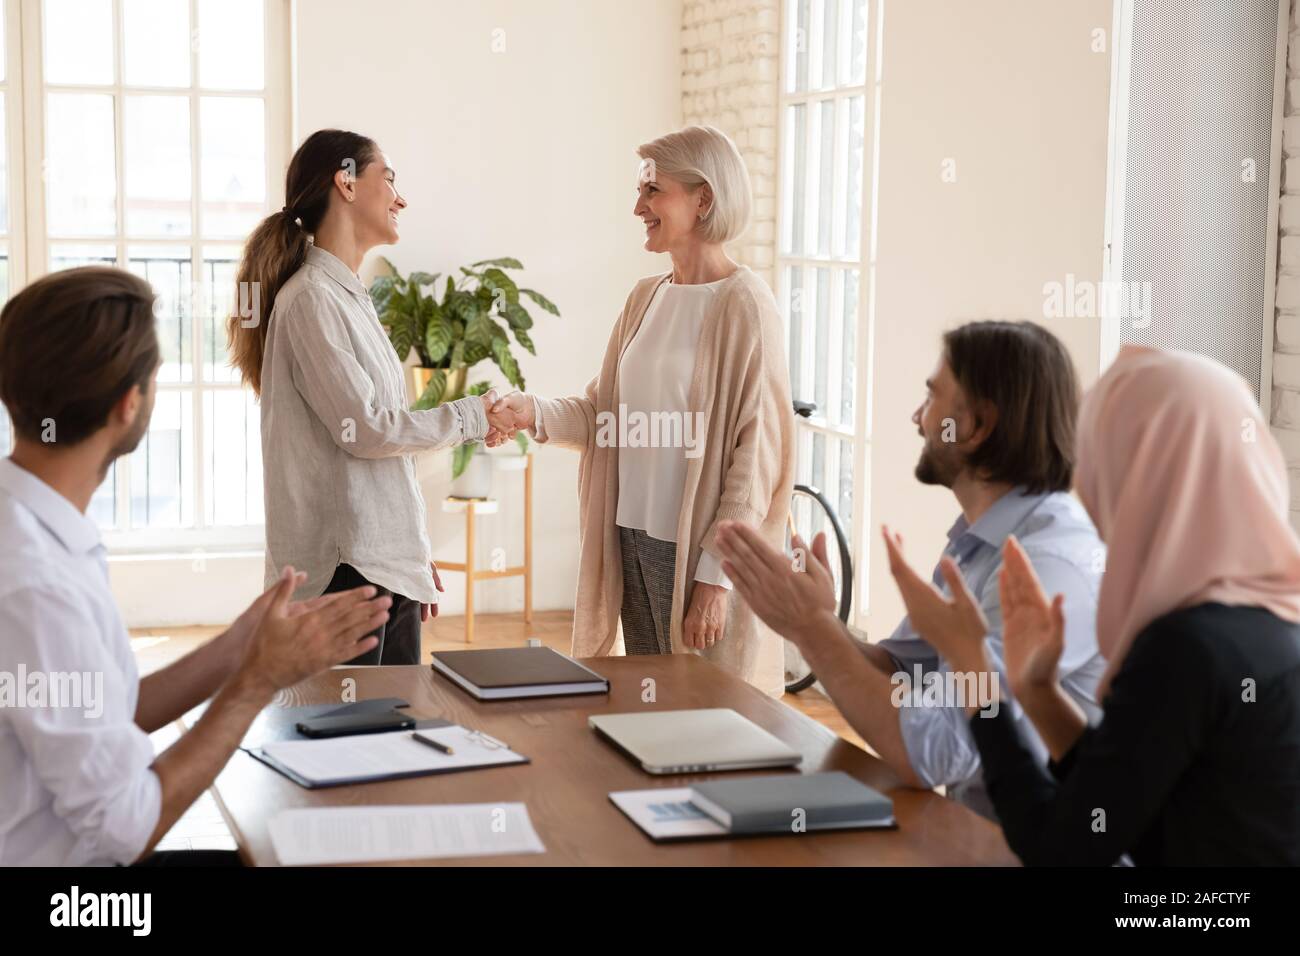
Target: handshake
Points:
x,y
506,415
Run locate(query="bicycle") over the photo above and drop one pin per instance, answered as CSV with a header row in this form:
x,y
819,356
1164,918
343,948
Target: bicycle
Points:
x,y
810,512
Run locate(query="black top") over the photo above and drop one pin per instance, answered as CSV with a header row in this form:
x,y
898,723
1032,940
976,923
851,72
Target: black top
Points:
x,y
1196,759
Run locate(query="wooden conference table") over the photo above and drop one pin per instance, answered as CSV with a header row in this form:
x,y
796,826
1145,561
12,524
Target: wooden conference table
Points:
x,y
566,785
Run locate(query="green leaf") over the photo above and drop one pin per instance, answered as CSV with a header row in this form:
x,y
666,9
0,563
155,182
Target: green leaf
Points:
x,y
505,262
541,300
517,316
521,439
461,456
522,338
478,388
437,338
478,332
476,352
506,362
381,290
432,393
423,278
502,288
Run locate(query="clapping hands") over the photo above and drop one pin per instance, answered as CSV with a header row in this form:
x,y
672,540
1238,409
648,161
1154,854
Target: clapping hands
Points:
x,y
506,415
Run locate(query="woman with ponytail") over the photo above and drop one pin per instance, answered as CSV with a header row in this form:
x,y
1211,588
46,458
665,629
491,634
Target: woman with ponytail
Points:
x,y
342,501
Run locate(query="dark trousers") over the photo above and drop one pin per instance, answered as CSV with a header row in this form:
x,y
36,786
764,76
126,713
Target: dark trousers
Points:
x,y
399,636
648,567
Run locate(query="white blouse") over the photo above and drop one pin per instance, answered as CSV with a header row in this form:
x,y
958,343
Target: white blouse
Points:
x,y
654,376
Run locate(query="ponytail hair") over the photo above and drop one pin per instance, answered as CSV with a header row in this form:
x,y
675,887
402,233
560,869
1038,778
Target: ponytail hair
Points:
x,y
278,246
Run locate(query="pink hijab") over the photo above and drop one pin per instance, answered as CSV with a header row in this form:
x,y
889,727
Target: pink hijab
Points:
x,y
1188,489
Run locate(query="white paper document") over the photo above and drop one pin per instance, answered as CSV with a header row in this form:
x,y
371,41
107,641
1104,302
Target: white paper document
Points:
x,y
667,813
364,756
312,836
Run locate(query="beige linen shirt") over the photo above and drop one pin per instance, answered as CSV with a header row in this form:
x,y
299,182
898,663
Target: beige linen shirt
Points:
x,y
338,441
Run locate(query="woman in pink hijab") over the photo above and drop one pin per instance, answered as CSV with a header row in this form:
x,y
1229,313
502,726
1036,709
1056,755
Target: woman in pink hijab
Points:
x,y
1196,759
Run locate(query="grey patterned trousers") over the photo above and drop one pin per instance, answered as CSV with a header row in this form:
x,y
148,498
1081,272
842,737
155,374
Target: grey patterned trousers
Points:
x,y
648,565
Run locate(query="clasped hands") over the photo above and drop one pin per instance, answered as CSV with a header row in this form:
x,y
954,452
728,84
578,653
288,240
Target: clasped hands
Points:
x,y
506,415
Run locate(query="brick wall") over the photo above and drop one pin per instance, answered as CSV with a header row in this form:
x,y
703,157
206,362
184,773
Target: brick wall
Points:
x,y
1286,330
730,70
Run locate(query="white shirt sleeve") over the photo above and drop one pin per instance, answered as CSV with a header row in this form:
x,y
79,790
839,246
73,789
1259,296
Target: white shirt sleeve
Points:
x,y
709,570
92,759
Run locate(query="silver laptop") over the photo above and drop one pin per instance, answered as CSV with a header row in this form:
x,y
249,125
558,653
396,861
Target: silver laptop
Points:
x,y
693,741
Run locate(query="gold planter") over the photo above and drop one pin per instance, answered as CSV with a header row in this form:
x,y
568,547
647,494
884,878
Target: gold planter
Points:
x,y
455,382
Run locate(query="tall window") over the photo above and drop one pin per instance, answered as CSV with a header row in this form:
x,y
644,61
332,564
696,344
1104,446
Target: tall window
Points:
x,y
824,173
154,130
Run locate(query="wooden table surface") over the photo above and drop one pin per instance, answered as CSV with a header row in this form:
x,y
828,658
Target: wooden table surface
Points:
x,y
566,785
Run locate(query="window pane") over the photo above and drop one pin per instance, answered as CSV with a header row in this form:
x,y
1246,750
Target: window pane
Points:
x,y
162,466
78,41
795,311
157,161
168,270
156,35
794,165
826,178
70,255
4,46
230,44
798,17
4,153
852,243
856,62
4,274
81,171
6,432
103,503
218,293
233,164
821,344
830,45
232,457
849,349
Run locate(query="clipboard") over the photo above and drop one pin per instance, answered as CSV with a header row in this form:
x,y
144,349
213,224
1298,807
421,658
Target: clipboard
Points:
x,y
431,759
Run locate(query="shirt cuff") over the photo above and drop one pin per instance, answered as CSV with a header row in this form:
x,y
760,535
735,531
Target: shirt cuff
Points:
x,y
538,431
709,570
473,420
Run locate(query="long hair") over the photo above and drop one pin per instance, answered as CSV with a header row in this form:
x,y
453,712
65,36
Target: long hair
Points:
x,y
1025,372
278,246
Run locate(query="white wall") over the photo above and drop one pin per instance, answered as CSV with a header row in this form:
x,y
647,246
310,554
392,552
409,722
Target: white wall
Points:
x,y
1011,91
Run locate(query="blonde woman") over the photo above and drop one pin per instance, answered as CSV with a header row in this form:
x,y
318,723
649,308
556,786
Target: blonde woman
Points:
x,y
696,357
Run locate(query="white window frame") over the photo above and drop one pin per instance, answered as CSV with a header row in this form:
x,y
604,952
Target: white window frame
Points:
x,y
859,437
29,239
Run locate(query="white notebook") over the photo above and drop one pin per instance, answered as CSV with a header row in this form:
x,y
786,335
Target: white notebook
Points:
x,y
320,835
364,757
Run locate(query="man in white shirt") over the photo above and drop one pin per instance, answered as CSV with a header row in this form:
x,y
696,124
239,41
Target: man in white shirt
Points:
x,y
79,782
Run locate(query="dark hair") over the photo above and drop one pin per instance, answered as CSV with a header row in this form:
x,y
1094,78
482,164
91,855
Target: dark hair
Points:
x,y
71,345
278,246
1023,371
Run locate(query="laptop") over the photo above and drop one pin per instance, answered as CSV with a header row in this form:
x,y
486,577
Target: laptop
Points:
x,y
693,741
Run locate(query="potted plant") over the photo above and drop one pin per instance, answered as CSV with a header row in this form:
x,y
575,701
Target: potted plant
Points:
x,y
471,322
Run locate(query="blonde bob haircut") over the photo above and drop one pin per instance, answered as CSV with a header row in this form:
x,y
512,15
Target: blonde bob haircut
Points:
x,y
701,154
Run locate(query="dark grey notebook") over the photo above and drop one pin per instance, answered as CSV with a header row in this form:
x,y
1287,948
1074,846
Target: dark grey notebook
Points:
x,y
504,673
785,803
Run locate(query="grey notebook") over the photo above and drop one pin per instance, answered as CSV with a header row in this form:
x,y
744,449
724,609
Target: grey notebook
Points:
x,y
784,803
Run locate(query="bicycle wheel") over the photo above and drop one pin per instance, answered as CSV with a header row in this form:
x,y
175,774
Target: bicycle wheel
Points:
x,y
810,514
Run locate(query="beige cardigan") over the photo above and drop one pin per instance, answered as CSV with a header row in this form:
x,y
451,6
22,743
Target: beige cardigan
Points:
x,y
746,472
